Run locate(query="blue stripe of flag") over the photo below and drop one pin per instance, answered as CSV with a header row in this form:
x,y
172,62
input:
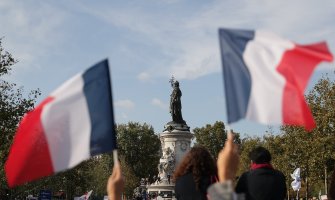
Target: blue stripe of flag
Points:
x,y
97,90
237,79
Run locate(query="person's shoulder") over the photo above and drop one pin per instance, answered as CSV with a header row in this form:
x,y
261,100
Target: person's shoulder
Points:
x,y
279,173
264,171
184,178
243,177
270,172
187,175
246,173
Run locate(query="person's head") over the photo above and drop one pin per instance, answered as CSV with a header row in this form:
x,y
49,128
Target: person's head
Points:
x,y
260,155
197,161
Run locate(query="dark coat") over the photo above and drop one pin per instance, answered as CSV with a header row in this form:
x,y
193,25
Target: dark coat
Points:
x,y
331,194
262,184
185,188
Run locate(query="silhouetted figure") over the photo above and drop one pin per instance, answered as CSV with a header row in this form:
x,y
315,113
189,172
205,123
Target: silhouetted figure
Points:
x,y
262,182
169,177
331,194
175,104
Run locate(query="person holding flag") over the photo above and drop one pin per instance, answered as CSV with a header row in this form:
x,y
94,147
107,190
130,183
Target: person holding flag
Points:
x,y
227,165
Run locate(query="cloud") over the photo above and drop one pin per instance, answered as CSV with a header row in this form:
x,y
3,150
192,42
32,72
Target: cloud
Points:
x,y
186,41
121,117
124,116
144,76
31,29
190,40
157,102
126,104
200,61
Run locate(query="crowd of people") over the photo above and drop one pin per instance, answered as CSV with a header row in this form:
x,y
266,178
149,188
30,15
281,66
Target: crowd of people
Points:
x,y
198,177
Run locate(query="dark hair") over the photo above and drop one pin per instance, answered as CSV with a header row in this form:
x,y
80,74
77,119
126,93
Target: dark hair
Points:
x,y
197,161
260,155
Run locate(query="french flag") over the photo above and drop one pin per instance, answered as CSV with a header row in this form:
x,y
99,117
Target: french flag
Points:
x,y
265,76
74,123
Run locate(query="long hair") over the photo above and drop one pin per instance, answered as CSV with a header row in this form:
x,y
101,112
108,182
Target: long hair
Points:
x,y
197,161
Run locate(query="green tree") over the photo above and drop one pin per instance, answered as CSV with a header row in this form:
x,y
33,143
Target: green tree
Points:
x,y
314,151
96,172
321,100
213,137
140,148
139,153
132,181
13,105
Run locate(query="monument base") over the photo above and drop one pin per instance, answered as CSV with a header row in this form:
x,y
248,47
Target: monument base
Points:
x,y
165,190
170,126
175,144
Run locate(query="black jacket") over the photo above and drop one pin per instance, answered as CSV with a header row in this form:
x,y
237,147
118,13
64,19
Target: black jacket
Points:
x,y
185,188
262,184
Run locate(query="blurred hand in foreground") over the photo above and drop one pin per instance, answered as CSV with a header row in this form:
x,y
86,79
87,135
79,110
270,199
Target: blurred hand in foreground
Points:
x,y
115,183
228,160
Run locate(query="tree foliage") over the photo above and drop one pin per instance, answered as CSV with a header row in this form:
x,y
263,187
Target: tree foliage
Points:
x,y
212,137
13,105
140,147
132,181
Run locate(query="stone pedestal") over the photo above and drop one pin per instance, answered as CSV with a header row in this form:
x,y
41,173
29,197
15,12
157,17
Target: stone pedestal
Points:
x,y
176,142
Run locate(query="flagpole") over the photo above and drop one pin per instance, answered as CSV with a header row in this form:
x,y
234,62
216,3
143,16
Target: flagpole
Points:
x,y
115,156
228,130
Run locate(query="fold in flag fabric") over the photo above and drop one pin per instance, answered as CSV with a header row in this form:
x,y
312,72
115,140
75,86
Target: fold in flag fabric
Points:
x,y
74,123
265,76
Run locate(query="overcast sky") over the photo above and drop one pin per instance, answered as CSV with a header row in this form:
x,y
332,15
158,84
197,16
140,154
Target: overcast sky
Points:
x,y
146,43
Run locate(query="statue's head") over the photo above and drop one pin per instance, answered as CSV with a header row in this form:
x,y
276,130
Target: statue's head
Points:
x,y
176,84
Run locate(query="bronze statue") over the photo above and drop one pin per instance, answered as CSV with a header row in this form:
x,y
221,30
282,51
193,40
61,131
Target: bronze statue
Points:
x,y
177,123
175,102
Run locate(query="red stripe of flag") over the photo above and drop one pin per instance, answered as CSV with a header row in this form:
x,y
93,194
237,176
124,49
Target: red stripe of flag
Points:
x,y
29,156
297,65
